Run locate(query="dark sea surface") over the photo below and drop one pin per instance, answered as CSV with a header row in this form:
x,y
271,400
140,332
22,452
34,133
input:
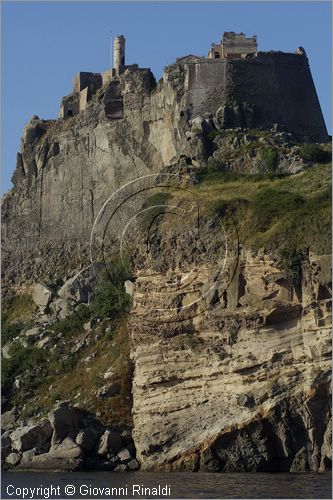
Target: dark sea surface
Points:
x,y
94,485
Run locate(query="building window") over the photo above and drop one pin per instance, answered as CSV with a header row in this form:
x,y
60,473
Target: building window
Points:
x,y
69,112
216,55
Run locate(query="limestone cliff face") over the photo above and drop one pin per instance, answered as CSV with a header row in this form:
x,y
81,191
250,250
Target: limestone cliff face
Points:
x,y
231,356
67,169
242,386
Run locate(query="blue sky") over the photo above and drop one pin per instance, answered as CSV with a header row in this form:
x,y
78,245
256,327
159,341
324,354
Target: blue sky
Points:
x,y
45,43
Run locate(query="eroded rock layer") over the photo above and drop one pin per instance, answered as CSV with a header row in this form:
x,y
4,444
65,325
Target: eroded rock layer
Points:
x,y
242,386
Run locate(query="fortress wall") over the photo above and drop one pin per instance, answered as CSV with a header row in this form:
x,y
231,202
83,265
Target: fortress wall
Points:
x,y
85,79
281,88
301,107
278,86
254,81
206,85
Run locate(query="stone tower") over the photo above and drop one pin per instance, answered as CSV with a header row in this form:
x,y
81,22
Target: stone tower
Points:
x,y
119,53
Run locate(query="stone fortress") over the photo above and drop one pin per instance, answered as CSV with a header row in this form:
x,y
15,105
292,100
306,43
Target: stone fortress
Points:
x,y
250,88
233,46
86,84
243,386
122,124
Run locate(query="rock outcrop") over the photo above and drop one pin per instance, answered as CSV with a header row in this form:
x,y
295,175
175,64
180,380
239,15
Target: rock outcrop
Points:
x,y
245,384
70,439
67,169
231,352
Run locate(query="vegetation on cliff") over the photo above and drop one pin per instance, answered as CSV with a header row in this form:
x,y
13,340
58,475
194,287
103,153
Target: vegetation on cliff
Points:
x,y
35,376
274,211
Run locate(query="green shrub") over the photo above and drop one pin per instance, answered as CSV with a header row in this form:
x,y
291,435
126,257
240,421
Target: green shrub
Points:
x,y
155,203
222,207
315,153
30,410
17,308
270,157
111,298
216,173
16,311
258,132
310,225
291,262
269,205
74,322
98,381
9,331
22,359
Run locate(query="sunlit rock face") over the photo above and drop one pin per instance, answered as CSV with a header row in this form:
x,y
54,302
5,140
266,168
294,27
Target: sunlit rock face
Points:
x,y
242,386
231,355
67,169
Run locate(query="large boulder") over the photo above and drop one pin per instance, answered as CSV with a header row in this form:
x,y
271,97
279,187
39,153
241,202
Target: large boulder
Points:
x,y
60,307
87,439
108,391
79,288
110,442
65,421
133,464
28,455
5,351
66,456
13,459
41,295
234,115
49,462
33,334
124,455
31,436
66,449
8,419
5,445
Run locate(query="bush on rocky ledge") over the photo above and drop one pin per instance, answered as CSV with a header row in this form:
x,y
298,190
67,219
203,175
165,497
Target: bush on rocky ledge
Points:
x,y
314,153
274,211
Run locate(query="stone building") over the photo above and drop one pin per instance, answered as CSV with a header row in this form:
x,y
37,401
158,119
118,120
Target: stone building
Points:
x,y
233,46
246,88
133,127
119,53
86,84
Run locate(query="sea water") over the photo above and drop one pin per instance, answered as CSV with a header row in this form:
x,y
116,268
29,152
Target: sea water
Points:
x,y
94,485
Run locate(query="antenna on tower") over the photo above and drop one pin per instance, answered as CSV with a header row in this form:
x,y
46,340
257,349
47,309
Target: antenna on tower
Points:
x,y
111,54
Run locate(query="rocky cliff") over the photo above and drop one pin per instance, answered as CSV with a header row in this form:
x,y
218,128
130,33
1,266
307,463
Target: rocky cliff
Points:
x,y
67,169
212,344
242,386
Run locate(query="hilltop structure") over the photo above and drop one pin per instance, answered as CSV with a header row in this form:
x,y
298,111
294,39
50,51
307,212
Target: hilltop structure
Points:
x,y
86,84
119,124
225,355
233,46
250,88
